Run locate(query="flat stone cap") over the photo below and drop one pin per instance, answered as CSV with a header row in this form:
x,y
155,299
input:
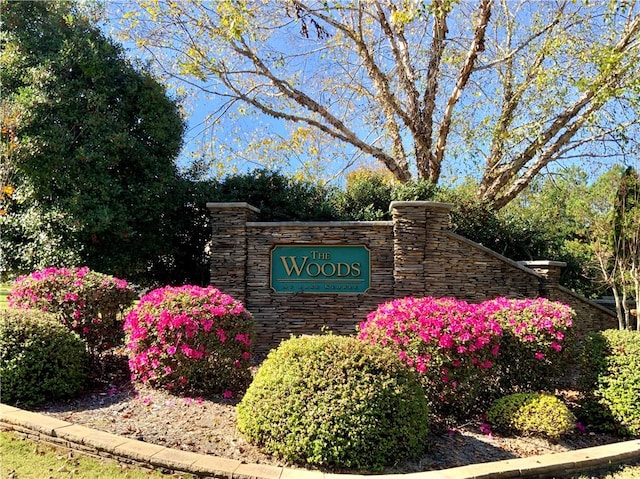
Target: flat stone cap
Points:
x,y
421,204
232,205
541,263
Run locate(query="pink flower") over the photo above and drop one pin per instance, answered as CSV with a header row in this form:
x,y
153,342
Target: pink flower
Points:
x,y
227,394
485,428
446,341
221,335
243,338
174,328
555,346
207,324
539,356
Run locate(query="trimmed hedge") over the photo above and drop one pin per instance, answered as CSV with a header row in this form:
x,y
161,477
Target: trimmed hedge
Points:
x,y
534,414
40,359
335,401
610,380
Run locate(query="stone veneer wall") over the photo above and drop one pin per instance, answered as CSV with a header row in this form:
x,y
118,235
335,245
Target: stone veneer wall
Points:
x,y
415,254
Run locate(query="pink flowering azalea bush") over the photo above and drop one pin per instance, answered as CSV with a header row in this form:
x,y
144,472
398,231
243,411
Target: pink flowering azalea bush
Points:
x,y
89,303
537,344
190,340
452,345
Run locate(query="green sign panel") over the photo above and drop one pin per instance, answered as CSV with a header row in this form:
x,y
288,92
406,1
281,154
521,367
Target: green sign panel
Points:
x,y
320,269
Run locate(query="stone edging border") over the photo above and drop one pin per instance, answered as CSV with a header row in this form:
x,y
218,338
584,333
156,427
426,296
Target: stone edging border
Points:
x,y
102,444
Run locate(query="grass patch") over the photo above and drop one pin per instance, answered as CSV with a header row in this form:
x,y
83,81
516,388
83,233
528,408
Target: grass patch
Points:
x,y
623,472
26,459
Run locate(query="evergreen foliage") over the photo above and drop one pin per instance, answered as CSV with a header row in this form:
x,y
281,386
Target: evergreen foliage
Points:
x,y
610,380
95,143
532,414
335,401
40,359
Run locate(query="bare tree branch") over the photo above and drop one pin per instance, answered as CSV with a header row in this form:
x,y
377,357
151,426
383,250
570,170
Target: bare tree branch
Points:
x,y
424,153
507,173
484,15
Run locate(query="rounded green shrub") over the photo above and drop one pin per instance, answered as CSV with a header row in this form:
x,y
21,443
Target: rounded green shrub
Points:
x,y
335,401
89,303
40,359
534,414
189,339
610,380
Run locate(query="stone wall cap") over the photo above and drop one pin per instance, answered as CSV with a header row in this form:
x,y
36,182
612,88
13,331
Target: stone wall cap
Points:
x,y
421,204
517,264
542,263
591,302
231,205
316,224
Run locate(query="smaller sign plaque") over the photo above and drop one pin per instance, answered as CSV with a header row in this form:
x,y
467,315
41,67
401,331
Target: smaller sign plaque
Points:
x,y
320,269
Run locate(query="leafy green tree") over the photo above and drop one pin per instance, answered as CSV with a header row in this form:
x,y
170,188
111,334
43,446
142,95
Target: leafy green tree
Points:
x,y
607,227
626,245
92,140
504,89
550,218
186,230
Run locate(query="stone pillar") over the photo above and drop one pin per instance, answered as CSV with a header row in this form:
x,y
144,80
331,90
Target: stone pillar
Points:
x,y
417,228
549,270
228,247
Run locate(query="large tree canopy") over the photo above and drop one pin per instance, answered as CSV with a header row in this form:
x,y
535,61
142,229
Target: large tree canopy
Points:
x,y
500,89
88,145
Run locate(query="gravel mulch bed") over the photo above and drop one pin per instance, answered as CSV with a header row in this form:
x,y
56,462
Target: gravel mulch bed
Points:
x,y
208,426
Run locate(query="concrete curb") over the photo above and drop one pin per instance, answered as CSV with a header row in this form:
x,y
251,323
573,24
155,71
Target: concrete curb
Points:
x,y
101,444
